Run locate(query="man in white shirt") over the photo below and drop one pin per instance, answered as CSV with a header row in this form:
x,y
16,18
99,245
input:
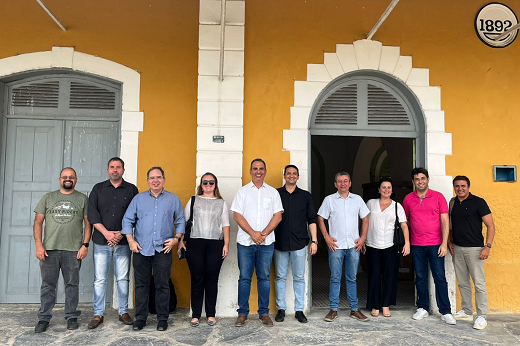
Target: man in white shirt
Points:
x,y
343,211
257,209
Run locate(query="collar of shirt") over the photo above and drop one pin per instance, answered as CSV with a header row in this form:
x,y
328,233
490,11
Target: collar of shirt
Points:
x,y
108,183
160,193
284,190
429,193
337,195
470,196
251,185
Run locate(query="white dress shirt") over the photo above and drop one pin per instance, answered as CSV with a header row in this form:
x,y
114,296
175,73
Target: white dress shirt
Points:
x,y
381,224
343,215
257,206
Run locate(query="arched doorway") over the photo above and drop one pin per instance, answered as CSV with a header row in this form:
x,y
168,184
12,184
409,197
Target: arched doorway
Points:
x,y
59,108
381,64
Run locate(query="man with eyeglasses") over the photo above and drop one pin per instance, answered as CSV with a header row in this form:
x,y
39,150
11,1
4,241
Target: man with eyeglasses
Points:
x,y
66,238
257,209
108,203
150,223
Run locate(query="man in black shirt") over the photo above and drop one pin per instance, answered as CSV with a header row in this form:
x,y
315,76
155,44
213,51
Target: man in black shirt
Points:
x,y
467,212
291,241
108,203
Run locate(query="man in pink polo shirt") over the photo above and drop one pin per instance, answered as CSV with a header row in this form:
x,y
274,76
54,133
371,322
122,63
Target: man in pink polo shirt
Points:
x,y
428,220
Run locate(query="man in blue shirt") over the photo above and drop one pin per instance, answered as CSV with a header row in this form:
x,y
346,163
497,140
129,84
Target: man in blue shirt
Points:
x,y
153,215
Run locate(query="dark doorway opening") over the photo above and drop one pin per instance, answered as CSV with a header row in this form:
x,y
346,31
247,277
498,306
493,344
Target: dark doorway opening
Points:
x,y
366,159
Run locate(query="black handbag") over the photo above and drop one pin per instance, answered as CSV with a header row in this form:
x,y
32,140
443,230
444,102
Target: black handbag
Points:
x,y
398,231
189,223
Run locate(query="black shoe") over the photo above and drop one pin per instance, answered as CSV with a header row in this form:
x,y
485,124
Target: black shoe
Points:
x,y
300,317
162,325
72,323
280,316
41,326
139,324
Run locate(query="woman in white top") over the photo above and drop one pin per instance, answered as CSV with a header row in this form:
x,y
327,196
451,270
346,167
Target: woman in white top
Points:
x,y
382,254
207,247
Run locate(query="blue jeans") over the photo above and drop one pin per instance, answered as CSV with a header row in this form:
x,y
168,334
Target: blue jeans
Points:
x,y
421,256
281,265
253,257
50,270
336,259
103,256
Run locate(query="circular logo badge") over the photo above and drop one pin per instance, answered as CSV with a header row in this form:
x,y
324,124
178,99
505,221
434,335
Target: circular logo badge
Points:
x,y
492,21
63,211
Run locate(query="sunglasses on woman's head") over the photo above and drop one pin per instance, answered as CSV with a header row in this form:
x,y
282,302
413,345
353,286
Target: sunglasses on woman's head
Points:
x,y
206,182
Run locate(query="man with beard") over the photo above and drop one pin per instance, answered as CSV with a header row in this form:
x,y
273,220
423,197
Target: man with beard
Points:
x,y
64,245
108,203
427,214
148,225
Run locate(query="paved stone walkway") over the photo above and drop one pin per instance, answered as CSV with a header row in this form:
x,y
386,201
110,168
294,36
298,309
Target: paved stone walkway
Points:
x,y
17,328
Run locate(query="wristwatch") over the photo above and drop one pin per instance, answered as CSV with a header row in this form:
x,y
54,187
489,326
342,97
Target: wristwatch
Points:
x,y
85,244
178,238
488,245
314,242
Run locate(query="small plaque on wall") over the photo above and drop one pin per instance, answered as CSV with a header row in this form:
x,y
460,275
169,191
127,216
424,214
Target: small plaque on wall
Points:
x,y
493,20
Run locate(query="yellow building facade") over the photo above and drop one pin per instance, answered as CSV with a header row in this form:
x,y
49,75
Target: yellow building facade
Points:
x,y
279,56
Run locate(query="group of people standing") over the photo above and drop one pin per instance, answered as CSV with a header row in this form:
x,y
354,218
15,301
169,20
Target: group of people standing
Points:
x,y
272,223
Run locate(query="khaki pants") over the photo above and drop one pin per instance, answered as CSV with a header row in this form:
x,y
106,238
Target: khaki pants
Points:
x,y
467,263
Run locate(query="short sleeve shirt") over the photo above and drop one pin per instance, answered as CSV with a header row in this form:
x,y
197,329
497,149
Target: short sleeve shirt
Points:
x,y
424,217
64,215
466,218
257,206
343,215
381,224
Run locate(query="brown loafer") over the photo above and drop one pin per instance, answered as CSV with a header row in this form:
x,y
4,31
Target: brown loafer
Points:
x,y
126,319
96,321
358,315
266,320
241,321
331,316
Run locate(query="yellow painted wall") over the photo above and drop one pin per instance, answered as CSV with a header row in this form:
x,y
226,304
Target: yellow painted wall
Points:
x,y
157,38
479,90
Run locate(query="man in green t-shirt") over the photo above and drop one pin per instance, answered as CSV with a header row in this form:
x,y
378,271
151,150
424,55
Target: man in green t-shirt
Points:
x,y
63,247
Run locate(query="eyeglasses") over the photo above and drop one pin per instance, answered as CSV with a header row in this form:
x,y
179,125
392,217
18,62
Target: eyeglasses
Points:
x,y
206,182
156,178
71,177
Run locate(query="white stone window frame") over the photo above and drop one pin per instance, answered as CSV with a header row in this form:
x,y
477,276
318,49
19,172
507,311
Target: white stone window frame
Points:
x,y
372,55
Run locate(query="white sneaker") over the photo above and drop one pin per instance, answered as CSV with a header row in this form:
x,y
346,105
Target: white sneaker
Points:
x,y
448,318
420,314
463,316
480,323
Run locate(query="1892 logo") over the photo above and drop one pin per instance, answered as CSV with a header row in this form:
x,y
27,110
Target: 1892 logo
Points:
x,y
63,212
492,21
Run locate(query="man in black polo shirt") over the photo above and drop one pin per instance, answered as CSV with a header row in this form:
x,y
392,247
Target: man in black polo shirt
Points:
x,y
292,238
467,213
108,202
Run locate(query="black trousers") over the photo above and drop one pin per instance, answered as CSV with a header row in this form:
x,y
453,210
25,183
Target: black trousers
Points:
x,y
161,263
204,258
383,274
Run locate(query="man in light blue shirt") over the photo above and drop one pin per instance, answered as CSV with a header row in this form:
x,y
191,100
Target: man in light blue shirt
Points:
x,y
343,211
153,213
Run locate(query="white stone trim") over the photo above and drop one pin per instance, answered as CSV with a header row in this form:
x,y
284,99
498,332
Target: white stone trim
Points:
x,y
220,111
367,54
131,119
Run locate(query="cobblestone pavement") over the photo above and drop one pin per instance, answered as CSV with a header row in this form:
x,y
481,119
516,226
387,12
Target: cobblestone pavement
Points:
x,y
18,321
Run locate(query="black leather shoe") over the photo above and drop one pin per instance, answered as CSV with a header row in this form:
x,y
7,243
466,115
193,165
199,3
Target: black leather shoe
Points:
x,y
41,326
139,324
280,316
162,325
72,323
300,317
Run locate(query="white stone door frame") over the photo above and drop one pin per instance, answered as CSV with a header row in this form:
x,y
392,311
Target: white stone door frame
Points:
x,y
131,118
372,55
